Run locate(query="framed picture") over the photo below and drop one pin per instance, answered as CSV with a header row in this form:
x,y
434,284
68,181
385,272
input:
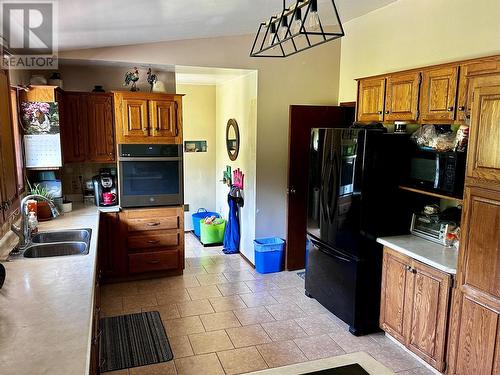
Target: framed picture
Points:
x,y
195,146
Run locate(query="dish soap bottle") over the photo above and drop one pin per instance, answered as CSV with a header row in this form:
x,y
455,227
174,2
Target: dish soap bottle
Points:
x,y
32,222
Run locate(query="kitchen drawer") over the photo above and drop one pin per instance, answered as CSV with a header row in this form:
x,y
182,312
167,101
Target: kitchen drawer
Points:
x,y
151,213
144,240
153,223
157,261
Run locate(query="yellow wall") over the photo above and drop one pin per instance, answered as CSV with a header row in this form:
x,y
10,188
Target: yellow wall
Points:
x,y
198,112
237,99
413,33
310,77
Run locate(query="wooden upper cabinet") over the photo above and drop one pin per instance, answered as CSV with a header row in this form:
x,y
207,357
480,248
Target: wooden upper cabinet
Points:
x,y
439,94
401,99
371,95
8,172
148,117
393,294
163,116
474,74
100,128
73,119
429,297
484,144
135,118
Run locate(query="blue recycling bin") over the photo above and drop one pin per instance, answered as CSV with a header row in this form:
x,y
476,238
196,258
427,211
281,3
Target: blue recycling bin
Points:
x,y
269,254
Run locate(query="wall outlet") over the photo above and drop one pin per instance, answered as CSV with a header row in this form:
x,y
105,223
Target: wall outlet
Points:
x,y
186,207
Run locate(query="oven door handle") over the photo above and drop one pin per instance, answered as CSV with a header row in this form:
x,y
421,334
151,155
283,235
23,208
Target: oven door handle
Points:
x,y
151,158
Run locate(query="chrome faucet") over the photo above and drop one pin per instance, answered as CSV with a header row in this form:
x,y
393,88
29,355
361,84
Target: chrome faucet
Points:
x,y
24,231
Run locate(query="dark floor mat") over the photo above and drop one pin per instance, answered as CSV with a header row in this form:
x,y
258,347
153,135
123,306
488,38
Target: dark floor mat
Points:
x,y
133,340
353,369
302,274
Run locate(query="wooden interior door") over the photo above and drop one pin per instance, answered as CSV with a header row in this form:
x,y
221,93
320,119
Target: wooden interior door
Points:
x,y
396,279
371,95
8,173
401,100
101,128
135,121
484,145
163,118
439,94
303,118
73,123
430,296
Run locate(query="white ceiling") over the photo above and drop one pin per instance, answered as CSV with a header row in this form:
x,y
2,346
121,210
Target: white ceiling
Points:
x,y
100,23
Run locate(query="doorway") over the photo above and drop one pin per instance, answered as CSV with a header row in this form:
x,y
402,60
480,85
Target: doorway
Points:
x,y
302,119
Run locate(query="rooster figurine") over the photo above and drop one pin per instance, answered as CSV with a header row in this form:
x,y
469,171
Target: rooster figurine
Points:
x,y
132,77
152,78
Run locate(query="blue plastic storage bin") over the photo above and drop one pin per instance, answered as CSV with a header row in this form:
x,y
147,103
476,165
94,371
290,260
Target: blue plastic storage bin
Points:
x,y
269,254
201,214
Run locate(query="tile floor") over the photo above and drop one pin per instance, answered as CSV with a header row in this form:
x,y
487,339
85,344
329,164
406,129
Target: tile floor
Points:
x,y
222,317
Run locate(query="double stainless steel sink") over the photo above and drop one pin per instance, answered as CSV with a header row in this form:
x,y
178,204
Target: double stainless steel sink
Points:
x,y
57,243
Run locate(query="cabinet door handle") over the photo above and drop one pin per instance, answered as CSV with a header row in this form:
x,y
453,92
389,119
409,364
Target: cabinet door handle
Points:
x,y
154,261
153,224
153,241
450,109
461,108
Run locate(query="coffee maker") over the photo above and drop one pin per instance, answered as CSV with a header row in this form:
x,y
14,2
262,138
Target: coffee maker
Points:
x,y
105,190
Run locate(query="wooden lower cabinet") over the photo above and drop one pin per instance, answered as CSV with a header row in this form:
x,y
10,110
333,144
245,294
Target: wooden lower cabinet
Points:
x,y
112,254
415,301
139,241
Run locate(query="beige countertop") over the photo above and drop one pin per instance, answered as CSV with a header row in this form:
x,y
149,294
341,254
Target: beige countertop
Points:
x,y
438,256
46,306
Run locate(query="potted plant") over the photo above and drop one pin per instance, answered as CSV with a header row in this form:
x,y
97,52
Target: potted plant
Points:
x,y
44,212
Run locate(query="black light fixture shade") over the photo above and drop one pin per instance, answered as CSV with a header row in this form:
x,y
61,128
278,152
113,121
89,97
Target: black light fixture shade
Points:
x,y
304,29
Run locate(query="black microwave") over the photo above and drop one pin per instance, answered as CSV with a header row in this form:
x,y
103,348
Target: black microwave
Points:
x,y
435,171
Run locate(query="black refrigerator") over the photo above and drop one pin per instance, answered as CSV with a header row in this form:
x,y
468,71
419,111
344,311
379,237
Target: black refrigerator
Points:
x,y
353,198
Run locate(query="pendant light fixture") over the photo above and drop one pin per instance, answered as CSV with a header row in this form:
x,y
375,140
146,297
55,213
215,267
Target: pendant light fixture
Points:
x,y
297,28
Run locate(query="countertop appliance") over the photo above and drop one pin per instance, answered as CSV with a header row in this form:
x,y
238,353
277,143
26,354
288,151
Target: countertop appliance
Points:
x,y
150,175
105,188
353,180
434,227
441,172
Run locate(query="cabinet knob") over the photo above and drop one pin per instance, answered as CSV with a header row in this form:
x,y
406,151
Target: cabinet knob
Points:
x,y
380,112
450,109
387,112
461,108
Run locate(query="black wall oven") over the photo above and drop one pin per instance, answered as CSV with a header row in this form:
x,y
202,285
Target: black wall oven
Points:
x,y
150,175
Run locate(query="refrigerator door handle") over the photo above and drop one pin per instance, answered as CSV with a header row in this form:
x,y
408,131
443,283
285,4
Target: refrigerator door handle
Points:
x,y
331,253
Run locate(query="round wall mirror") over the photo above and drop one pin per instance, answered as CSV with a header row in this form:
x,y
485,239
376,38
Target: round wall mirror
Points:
x,y
232,139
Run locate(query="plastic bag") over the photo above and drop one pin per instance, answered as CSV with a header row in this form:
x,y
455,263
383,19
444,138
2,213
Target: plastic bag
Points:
x,y
445,142
425,136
